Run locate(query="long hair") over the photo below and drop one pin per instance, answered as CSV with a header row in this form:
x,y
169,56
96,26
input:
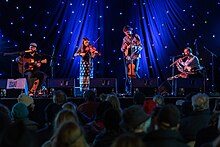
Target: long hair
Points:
x,y
83,44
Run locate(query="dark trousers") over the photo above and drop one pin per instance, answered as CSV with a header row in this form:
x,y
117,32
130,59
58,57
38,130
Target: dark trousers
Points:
x,y
32,76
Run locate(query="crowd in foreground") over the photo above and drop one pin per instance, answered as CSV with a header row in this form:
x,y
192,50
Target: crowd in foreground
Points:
x,y
103,123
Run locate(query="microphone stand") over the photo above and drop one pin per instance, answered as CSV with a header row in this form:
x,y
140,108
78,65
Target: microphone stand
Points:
x,y
196,46
52,63
173,92
213,55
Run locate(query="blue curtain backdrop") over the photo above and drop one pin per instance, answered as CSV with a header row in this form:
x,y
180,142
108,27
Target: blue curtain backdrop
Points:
x,y
165,28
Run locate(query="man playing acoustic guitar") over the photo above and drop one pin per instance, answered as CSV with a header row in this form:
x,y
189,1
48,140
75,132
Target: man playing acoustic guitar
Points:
x,y
131,47
29,66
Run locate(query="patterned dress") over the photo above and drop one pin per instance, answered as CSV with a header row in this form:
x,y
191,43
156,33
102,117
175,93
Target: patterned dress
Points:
x,y
86,69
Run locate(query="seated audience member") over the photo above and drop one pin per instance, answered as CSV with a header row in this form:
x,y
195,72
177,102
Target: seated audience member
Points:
x,y
95,127
112,129
18,135
135,120
113,99
20,113
61,117
69,106
59,97
167,134
128,140
73,107
90,105
46,132
159,100
198,119
149,106
69,134
209,133
139,98
103,97
29,102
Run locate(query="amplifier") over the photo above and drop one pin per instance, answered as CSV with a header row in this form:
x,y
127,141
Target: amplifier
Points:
x,y
61,83
147,86
141,83
104,85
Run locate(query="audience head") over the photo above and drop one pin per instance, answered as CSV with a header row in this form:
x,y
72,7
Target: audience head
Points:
x,y
128,140
70,106
27,100
19,111
65,115
69,134
169,117
103,96
159,100
139,98
113,99
200,102
89,95
59,97
133,117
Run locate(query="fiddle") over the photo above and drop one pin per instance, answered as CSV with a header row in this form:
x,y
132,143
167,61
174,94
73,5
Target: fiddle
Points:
x,y
92,50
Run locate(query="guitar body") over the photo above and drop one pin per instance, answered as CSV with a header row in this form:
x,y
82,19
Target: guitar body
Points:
x,y
29,64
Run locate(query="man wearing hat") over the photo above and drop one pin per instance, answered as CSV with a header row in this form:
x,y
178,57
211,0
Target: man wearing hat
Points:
x,y
166,133
135,120
29,65
131,47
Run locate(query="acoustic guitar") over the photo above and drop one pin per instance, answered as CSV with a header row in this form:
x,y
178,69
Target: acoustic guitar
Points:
x,y
28,64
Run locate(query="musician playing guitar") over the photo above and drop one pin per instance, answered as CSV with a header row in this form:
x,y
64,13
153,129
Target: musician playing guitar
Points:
x,y
188,65
29,65
131,47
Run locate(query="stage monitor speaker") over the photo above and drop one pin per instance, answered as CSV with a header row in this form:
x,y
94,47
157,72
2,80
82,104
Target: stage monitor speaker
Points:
x,y
104,85
61,83
188,85
15,87
64,84
147,86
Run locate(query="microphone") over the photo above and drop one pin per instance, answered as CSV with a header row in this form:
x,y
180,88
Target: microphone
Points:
x,y
195,41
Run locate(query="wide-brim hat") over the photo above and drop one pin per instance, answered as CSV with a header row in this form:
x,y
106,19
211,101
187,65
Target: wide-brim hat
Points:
x,y
133,116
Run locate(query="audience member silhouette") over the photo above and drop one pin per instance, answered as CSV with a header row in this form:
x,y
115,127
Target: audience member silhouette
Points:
x,y
112,129
167,130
